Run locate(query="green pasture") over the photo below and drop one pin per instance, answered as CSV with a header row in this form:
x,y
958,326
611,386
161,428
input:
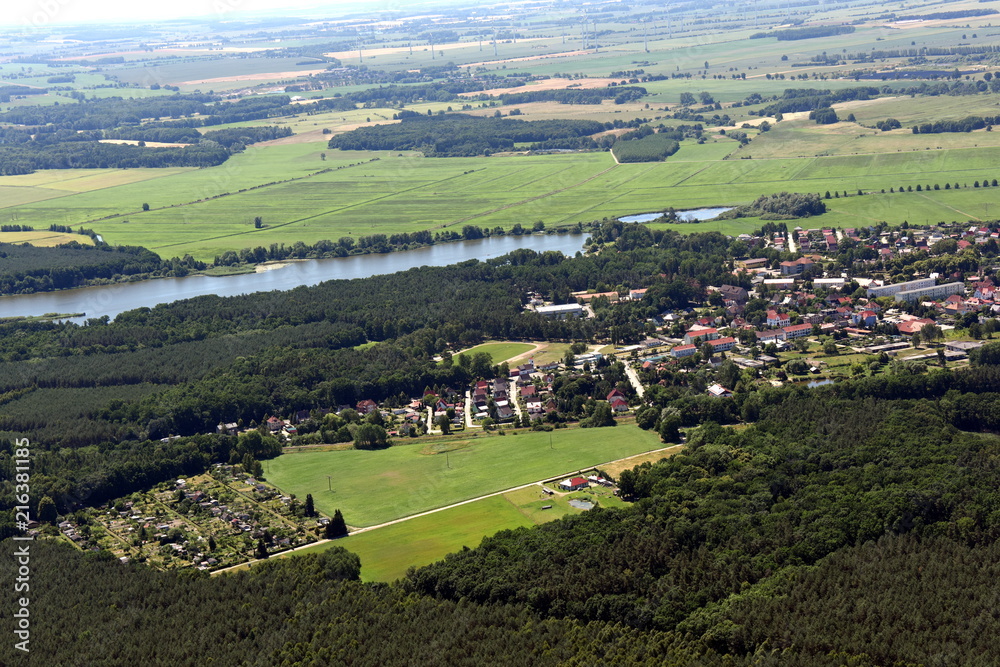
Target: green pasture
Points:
x,y
386,553
500,351
372,487
402,192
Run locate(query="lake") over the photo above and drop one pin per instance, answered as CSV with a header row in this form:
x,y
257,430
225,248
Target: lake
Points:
x,y
112,300
688,216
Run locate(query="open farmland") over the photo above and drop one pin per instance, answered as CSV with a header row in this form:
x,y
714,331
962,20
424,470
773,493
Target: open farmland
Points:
x,y
404,192
44,239
372,487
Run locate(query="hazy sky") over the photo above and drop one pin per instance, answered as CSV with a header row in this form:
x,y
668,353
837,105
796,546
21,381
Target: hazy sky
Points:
x,y
24,13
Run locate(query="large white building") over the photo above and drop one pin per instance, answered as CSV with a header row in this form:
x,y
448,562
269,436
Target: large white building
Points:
x,y
561,312
933,292
892,290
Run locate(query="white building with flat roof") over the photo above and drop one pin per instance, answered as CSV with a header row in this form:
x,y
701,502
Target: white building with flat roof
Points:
x,y
933,292
892,290
561,312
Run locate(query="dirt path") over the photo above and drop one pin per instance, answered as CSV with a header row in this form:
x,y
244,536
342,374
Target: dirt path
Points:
x,y
959,211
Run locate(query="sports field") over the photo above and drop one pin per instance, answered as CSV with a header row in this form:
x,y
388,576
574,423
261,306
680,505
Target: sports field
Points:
x,y
372,487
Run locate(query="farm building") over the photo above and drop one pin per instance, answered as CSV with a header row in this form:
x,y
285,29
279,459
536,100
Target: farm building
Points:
x,y
574,484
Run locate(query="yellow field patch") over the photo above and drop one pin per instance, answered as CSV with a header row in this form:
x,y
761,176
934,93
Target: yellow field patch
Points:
x,y
44,239
85,180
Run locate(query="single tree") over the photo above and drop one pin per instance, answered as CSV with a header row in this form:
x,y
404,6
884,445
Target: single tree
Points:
x,y
47,510
337,527
310,506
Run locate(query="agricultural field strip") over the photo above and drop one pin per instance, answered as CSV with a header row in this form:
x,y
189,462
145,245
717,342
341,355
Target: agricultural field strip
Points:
x,y
315,215
230,194
530,199
922,195
458,504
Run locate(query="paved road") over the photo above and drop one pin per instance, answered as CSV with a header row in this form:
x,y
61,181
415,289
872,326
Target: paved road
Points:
x,y
791,243
633,377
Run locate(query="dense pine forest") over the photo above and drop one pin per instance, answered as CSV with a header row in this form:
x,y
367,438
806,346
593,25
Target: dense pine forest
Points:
x,y
829,532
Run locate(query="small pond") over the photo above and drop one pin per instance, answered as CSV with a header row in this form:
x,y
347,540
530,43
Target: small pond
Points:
x,y
582,504
697,214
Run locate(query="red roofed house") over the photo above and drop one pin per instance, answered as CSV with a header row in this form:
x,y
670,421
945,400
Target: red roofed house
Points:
x,y
683,351
984,290
912,326
618,401
574,484
698,331
366,406
722,344
797,330
866,318
776,319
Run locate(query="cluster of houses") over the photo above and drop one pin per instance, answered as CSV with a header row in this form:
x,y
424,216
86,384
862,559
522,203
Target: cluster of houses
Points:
x,y
832,312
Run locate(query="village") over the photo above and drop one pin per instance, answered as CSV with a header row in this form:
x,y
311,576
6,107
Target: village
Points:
x,y
807,321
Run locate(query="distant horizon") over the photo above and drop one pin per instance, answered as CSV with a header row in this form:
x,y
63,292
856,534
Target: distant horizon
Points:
x,y
48,14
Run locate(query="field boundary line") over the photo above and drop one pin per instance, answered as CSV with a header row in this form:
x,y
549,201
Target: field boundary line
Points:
x,y
528,200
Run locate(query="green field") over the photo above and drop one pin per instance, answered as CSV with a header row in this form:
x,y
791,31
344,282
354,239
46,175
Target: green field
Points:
x,y
372,487
500,351
386,553
203,212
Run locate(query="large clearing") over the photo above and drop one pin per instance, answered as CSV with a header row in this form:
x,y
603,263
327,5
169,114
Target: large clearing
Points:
x,y
501,351
372,487
386,553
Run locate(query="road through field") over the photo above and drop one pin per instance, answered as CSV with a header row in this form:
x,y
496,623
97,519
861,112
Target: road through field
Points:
x,y
447,507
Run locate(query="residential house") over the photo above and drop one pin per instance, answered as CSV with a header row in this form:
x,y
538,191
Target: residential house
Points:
x,y
719,391
734,293
618,401
797,331
702,332
683,351
776,319
574,484
865,318
722,344
796,267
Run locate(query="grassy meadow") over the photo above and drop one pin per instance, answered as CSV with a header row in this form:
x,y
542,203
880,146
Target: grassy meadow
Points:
x,y
386,553
204,212
501,351
372,487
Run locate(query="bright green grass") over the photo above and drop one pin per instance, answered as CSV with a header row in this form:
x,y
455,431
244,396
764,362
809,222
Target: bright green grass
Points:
x,y
386,553
406,192
372,487
500,351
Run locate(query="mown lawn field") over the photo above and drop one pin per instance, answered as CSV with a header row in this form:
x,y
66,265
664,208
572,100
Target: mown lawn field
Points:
x,y
372,487
500,351
386,553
